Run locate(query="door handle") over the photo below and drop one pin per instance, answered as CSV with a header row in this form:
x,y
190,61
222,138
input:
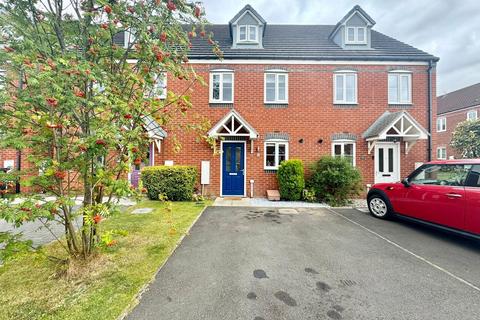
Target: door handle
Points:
x,y
453,195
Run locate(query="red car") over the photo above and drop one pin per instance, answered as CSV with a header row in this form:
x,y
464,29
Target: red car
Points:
x,y
445,194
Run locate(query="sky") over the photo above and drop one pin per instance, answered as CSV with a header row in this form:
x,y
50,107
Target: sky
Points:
x,y
448,29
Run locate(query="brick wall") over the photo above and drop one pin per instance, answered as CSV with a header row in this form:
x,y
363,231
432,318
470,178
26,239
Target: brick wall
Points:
x,y
310,115
443,139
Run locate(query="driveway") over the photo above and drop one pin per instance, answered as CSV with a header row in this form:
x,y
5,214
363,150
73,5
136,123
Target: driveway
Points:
x,y
249,263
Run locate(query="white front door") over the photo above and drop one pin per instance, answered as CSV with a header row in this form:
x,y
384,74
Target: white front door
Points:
x,y
387,162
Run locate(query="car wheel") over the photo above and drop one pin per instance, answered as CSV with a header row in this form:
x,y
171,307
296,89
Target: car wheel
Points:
x,y
379,207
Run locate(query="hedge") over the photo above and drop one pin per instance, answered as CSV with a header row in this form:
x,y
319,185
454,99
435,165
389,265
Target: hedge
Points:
x,y
176,183
291,180
335,180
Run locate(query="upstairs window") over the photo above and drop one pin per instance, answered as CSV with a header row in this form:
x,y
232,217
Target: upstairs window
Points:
x,y
344,149
3,74
345,87
275,153
221,87
441,124
472,115
399,88
129,38
356,35
276,87
159,87
247,33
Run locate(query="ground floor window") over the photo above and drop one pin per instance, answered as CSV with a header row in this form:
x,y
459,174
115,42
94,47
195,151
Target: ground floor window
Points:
x,y
275,153
344,149
442,153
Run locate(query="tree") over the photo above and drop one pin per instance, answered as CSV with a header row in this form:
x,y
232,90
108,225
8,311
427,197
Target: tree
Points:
x,y
466,138
76,101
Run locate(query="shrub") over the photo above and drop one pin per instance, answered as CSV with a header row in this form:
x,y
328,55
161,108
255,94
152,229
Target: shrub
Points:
x,y
177,183
291,180
335,180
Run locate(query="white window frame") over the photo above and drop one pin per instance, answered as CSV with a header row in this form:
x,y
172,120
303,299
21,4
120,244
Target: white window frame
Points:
x,y
342,143
221,74
247,33
441,124
356,31
275,142
128,38
344,73
470,113
3,74
163,95
400,74
441,150
276,74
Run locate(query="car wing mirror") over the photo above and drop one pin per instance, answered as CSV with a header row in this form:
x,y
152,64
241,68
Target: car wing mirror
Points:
x,y
406,183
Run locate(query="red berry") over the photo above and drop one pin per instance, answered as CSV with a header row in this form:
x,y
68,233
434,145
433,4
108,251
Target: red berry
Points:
x,y
128,116
60,175
100,142
52,102
191,34
197,11
163,37
171,6
97,218
108,9
202,34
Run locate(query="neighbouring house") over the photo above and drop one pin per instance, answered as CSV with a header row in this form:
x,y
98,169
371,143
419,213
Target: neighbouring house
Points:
x,y
303,92
453,108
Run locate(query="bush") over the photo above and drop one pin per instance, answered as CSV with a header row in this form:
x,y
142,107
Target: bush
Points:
x,y
291,180
335,180
177,183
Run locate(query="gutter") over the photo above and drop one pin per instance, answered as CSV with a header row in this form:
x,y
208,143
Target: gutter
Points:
x,y
430,113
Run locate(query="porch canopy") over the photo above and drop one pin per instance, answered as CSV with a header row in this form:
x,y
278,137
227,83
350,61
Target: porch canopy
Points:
x,y
154,130
233,125
395,126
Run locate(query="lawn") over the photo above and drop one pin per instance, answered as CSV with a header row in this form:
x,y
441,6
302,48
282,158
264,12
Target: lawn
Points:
x,y
33,287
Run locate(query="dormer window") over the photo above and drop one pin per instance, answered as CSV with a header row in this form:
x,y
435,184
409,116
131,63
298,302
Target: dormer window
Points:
x,y
356,35
247,33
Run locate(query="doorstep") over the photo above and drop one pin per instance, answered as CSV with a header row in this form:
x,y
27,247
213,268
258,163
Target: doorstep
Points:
x,y
263,203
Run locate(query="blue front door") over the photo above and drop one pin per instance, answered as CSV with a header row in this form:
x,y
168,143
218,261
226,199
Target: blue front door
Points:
x,y
233,171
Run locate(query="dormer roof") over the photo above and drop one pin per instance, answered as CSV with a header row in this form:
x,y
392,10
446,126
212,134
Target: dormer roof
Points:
x,y
355,10
248,8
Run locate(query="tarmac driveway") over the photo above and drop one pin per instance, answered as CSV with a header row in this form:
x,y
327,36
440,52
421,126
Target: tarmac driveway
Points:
x,y
252,263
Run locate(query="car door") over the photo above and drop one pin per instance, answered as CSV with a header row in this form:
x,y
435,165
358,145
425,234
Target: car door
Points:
x,y
472,195
437,194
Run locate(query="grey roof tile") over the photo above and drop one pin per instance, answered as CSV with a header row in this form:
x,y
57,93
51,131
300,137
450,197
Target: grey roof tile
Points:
x,y
305,42
460,99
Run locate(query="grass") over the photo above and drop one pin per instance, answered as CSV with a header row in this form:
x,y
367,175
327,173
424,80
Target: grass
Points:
x,y
31,287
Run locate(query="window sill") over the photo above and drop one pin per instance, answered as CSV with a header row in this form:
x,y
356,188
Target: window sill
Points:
x,y
275,105
400,105
345,105
221,104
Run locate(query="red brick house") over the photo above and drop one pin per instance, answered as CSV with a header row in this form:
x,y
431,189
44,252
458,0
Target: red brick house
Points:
x,y
304,91
301,91
453,108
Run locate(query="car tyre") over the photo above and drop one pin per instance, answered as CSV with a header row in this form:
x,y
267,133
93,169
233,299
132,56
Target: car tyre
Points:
x,y
379,207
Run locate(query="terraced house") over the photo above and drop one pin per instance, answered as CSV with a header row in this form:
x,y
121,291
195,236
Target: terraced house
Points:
x,y
302,91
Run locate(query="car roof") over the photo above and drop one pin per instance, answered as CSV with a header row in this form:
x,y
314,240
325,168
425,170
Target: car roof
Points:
x,y
456,161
